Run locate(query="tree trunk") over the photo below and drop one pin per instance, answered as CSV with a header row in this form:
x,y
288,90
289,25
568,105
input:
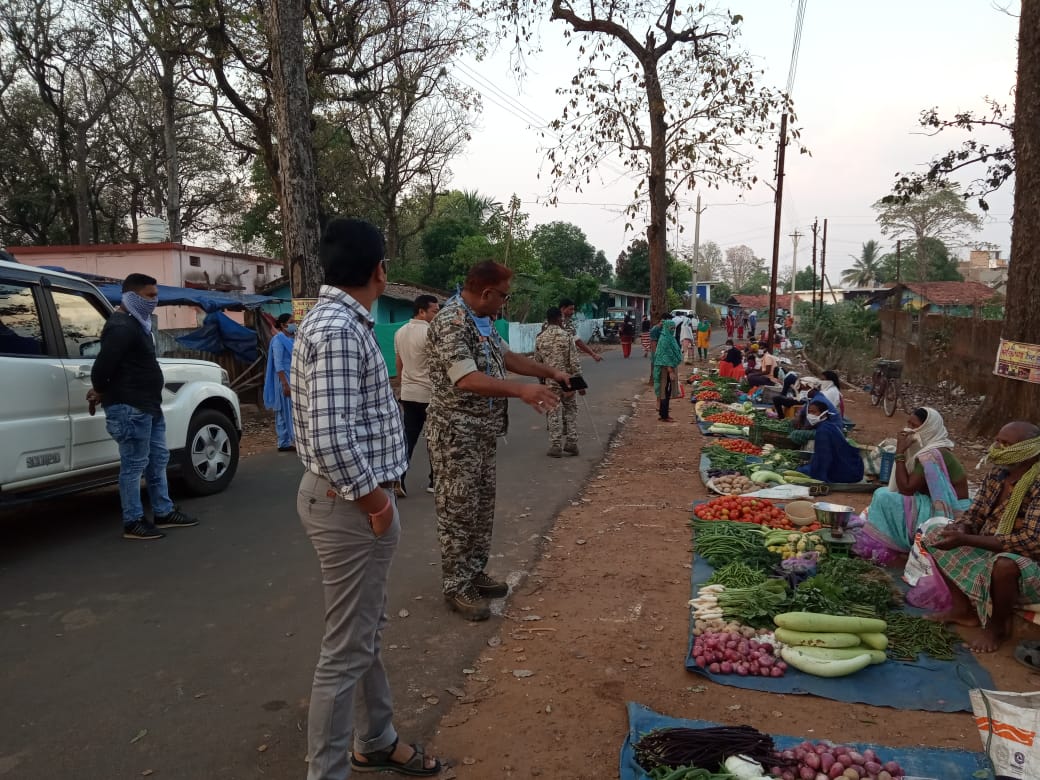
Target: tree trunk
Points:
x,y
1014,399
82,188
296,168
168,90
657,230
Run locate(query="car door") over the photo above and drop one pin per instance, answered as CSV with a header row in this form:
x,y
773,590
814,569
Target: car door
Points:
x,y
34,414
81,317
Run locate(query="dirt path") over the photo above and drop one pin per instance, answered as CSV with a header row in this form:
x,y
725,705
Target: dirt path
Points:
x,y
603,621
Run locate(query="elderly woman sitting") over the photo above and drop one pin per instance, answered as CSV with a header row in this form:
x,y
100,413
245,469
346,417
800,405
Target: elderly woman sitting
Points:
x,y
990,557
927,481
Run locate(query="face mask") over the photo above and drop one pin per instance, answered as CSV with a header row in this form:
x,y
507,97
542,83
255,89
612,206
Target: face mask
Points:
x,y
291,329
483,324
814,419
140,308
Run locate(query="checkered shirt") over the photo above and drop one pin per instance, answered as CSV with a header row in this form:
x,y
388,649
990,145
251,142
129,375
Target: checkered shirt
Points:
x,y
347,421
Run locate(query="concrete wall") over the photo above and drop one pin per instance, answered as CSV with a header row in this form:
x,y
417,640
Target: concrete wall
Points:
x,y
935,348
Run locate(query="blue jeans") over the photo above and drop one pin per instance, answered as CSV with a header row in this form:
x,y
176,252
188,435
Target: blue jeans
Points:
x,y
141,437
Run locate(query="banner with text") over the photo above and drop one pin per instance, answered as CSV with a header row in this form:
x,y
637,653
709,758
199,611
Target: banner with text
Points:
x,y
300,307
1018,361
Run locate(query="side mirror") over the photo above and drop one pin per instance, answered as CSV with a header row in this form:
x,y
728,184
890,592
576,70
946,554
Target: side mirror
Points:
x,y
90,349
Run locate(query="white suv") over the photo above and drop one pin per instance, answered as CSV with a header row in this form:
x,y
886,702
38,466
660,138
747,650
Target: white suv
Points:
x,y
50,330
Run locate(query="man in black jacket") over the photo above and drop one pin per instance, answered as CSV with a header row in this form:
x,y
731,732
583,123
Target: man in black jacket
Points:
x,y
128,382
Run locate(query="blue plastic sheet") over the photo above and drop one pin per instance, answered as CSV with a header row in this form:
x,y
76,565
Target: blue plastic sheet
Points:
x,y
925,684
219,333
919,763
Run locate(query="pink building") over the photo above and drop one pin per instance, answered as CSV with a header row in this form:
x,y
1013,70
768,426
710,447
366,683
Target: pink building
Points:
x,y
178,265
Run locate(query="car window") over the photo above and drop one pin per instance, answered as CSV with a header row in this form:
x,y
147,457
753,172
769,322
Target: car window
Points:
x,y
81,323
21,332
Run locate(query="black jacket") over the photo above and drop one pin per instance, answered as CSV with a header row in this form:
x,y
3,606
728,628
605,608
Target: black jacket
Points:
x,y
126,370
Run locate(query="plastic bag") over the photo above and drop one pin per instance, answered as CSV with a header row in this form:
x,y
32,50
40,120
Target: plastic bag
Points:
x,y
1008,724
928,589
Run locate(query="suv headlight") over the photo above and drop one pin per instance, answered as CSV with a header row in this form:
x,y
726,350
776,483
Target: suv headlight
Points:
x,y
225,378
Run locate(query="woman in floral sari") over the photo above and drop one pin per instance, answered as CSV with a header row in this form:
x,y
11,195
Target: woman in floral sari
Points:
x,y
927,481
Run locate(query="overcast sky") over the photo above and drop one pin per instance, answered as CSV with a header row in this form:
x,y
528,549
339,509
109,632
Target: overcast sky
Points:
x,y
865,72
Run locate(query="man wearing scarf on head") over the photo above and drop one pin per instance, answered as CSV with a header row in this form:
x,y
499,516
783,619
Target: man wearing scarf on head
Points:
x,y
128,382
989,556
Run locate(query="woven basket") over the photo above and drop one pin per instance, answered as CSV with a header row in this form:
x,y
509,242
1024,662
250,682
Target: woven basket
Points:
x,y
760,436
893,369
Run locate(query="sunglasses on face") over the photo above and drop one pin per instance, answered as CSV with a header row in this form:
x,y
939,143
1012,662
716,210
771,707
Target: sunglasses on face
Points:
x,y
502,295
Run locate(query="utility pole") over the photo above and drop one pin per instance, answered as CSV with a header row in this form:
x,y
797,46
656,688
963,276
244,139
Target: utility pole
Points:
x,y
794,265
823,262
899,261
780,153
696,255
514,203
815,233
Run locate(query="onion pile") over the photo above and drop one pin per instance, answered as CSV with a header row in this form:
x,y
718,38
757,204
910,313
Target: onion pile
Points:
x,y
726,652
821,761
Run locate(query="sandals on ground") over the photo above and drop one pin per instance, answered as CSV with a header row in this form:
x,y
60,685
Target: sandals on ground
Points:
x,y
1027,653
380,761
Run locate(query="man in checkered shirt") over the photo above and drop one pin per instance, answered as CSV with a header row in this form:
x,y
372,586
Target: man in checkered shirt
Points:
x,y
350,437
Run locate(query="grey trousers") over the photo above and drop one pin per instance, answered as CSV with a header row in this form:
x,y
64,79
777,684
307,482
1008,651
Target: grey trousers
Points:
x,y
354,568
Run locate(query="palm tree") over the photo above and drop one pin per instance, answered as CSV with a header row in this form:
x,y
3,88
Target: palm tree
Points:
x,y
867,268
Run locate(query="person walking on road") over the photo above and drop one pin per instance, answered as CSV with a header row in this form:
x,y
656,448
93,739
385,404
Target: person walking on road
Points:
x,y
467,413
277,392
752,322
627,334
414,373
703,338
644,335
687,338
571,326
666,365
127,381
555,348
350,437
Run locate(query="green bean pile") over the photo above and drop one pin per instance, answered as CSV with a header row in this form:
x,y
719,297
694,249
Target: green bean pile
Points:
x,y
719,541
737,574
687,773
908,636
723,459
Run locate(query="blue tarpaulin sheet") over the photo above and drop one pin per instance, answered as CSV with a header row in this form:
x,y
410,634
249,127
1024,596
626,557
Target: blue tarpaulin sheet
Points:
x,y
920,763
219,333
207,300
924,684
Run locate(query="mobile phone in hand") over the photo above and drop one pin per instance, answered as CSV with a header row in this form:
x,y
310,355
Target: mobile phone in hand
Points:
x,y
577,383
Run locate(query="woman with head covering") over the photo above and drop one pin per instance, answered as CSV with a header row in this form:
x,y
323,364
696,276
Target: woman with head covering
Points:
x,y
830,386
927,481
833,459
666,363
703,338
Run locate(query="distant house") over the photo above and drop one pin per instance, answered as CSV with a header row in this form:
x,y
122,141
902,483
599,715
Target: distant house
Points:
x,y
950,298
176,265
611,298
750,303
986,266
394,305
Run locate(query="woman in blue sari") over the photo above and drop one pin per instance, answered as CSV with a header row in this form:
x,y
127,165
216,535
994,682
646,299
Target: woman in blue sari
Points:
x,y
833,459
276,381
927,481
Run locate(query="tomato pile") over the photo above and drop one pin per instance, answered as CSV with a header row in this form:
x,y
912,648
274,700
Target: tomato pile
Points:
x,y
706,383
740,445
744,510
709,395
729,418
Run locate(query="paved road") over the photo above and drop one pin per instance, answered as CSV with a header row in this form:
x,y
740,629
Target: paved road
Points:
x,y
192,656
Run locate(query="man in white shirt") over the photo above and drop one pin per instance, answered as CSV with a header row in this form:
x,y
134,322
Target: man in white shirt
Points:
x,y
414,373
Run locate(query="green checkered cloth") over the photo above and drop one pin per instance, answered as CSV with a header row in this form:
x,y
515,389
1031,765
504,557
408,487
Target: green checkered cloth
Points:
x,y
971,570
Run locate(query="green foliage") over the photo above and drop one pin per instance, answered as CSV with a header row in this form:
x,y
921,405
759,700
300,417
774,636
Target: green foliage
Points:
x,y
839,334
633,271
757,283
564,246
940,265
867,268
806,279
721,292
675,301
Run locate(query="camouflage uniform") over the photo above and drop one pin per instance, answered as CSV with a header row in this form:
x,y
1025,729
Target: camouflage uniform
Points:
x,y
462,430
555,347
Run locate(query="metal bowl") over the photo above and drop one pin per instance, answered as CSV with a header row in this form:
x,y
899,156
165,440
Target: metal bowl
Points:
x,y
834,516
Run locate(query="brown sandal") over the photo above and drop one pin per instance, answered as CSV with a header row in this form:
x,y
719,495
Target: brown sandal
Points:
x,y
380,761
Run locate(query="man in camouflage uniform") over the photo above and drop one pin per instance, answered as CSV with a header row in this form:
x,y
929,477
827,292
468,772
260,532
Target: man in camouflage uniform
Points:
x,y
468,362
571,326
555,347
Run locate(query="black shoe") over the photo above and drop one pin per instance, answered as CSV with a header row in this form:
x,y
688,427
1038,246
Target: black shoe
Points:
x,y
176,519
142,529
290,448
490,588
468,604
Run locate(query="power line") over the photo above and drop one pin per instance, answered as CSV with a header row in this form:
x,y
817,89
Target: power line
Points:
x,y
796,46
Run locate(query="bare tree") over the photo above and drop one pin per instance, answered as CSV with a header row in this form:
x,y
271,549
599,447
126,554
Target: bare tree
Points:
x,y
741,265
667,94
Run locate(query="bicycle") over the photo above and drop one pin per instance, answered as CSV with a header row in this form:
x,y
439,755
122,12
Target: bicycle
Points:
x,y
885,386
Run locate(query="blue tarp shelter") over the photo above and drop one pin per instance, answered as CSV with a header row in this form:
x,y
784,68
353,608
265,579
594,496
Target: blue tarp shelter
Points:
x,y
219,333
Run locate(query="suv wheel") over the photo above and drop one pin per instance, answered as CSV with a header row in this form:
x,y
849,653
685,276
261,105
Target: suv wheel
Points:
x,y
210,453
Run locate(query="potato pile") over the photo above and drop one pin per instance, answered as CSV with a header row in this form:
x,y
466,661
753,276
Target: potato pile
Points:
x,y
734,485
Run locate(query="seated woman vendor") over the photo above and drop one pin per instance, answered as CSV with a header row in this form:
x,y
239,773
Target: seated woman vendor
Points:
x,y
757,376
732,363
833,459
990,557
927,481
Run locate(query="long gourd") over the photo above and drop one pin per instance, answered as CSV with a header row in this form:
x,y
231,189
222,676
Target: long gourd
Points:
x,y
875,641
815,639
844,653
814,622
803,662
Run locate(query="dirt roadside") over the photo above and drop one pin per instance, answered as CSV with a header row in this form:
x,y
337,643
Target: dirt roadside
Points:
x,y
603,620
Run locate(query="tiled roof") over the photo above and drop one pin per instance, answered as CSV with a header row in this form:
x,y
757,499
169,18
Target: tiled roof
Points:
x,y
952,293
752,302
409,292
